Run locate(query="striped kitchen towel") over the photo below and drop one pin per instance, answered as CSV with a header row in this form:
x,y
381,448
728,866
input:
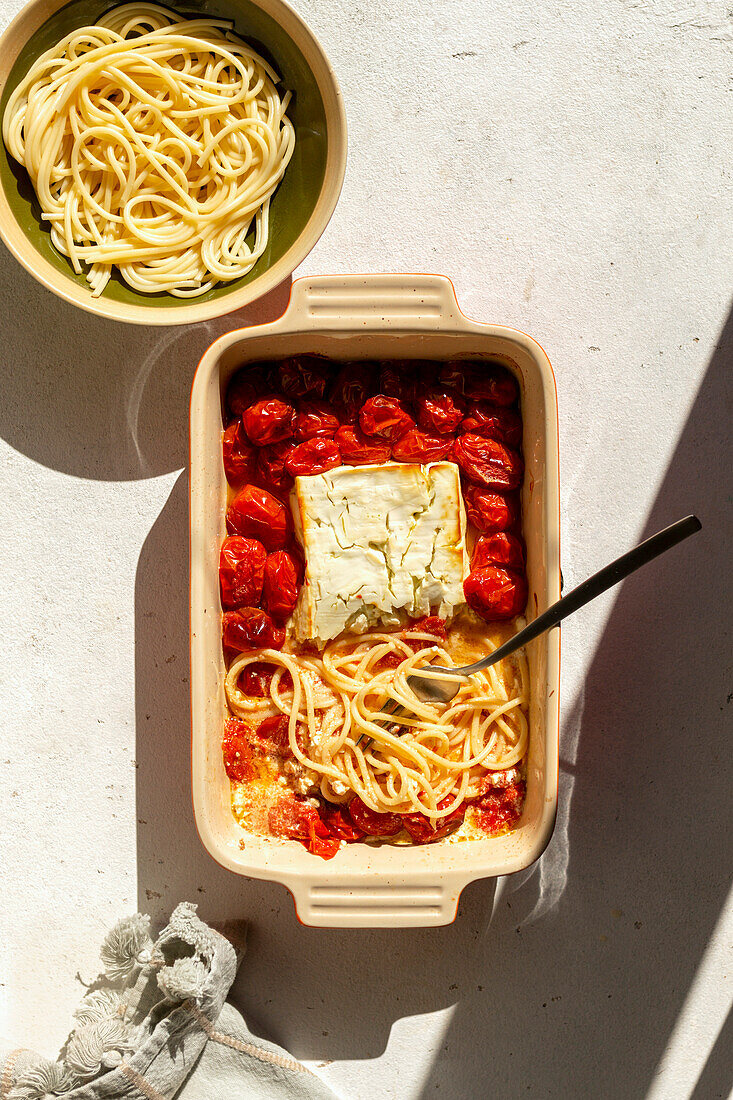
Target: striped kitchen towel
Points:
x,y
156,1025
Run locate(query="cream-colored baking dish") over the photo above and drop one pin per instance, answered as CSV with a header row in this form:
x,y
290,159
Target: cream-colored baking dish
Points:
x,y
373,317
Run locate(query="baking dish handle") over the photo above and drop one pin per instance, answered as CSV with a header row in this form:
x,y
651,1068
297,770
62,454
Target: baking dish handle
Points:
x,y
374,301
410,902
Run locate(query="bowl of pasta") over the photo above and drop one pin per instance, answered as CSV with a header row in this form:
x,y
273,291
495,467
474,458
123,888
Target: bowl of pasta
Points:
x,y
374,489
163,166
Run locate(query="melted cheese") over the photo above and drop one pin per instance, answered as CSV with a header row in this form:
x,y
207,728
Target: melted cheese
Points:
x,y
380,542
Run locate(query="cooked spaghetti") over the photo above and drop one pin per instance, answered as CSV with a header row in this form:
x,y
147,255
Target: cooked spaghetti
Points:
x,y
430,760
154,144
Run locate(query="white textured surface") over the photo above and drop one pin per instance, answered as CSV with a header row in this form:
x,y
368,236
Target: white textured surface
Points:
x,y
569,166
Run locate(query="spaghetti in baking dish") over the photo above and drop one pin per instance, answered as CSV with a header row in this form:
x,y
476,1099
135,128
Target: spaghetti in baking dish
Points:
x,y
374,528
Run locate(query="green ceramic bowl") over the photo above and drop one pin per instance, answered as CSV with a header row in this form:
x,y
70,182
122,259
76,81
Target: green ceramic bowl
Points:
x,y
300,208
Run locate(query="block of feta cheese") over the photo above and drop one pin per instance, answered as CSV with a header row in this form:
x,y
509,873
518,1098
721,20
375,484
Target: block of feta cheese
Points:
x,y
378,540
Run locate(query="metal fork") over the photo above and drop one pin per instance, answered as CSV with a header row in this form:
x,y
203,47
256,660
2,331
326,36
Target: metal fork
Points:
x,y
439,690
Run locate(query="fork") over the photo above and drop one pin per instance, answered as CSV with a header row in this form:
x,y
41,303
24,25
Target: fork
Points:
x,y
442,689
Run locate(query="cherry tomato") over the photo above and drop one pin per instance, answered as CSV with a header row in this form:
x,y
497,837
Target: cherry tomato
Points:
x,y
315,419
371,822
325,847
338,822
418,446
358,449
292,818
493,422
439,411
385,417
488,462
401,377
490,511
273,732
238,454
429,624
255,679
500,548
282,579
258,513
250,628
237,750
495,592
353,384
422,830
480,380
270,469
246,386
501,808
241,572
304,376
269,420
315,456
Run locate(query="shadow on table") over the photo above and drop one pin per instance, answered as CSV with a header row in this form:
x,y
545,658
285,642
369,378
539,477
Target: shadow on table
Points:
x,y
574,984
582,1001
96,398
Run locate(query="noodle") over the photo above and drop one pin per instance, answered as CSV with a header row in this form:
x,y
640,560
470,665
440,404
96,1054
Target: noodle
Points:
x,y
414,761
154,144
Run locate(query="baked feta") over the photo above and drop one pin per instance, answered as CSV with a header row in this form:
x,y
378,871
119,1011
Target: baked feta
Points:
x,y
381,543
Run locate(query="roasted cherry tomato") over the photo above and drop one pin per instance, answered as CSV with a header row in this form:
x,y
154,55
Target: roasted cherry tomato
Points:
x,y
495,592
418,446
237,750
488,462
371,822
500,808
269,420
241,572
439,411
338,822
255,679
422,830
282,578
325,847
385,417
238,453
258,513
353,384
401,378
358,449
315,419
480,381
429,624
250,628
247,386
493,422
500,548
304,376
315,456
273,732
270,469
292,818
490,511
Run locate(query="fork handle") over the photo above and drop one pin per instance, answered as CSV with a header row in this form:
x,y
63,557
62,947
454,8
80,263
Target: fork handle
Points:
x,y
601,581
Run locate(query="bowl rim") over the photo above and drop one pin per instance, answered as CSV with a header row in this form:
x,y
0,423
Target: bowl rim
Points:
x,y
27,22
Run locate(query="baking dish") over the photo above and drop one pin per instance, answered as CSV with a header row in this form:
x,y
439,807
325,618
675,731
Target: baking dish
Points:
x,y
373,317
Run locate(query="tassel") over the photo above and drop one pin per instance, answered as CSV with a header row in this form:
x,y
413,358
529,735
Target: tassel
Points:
x,y
98,1046
128,945
98,1005
184,980
43,1082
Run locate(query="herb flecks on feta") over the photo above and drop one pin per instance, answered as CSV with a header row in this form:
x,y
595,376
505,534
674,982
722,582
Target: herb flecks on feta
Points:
x,y
380,542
